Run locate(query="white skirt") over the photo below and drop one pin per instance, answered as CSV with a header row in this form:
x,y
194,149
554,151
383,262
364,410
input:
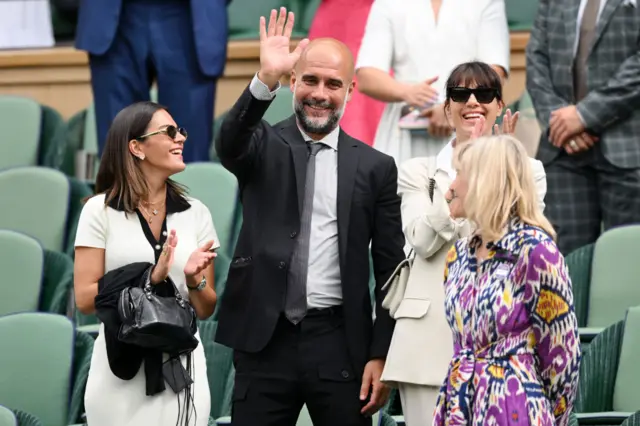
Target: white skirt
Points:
x,y
111,401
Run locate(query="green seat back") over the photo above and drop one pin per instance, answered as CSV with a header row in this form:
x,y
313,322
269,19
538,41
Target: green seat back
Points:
x,y
217,188
244,16
281,106
521,14
20,286
20,119
27,419
53,139
219,369
90,141
57,283
579,265
38,366
35,201
79,191
625,395
309,8
7,418
614,276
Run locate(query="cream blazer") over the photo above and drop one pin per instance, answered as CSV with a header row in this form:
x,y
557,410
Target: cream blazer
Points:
x,y
422,346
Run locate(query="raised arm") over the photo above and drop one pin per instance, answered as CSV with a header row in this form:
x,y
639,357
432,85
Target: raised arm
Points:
x,y
238,144
427,224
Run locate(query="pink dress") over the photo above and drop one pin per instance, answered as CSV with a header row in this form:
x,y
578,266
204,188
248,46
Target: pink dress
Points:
x,y
345,20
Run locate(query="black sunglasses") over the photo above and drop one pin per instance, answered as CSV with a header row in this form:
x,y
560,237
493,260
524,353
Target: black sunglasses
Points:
x,y
484,95
170,130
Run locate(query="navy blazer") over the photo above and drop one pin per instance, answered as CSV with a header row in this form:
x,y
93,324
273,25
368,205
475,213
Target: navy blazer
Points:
x,y
98,22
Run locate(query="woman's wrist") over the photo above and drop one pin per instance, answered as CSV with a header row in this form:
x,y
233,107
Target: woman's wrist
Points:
x,y
154,276
193,280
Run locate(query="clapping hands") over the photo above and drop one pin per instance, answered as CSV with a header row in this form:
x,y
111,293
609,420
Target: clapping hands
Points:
x,y
509,122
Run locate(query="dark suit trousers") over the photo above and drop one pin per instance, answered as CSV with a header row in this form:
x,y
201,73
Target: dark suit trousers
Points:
x,y
586,192
305,363
154,41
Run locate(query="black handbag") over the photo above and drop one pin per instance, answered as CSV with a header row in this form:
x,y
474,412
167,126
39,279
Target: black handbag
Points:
x,y
151,321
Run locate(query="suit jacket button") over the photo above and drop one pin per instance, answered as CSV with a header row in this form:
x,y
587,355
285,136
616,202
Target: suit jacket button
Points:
x,y
293,234
345,374
281,265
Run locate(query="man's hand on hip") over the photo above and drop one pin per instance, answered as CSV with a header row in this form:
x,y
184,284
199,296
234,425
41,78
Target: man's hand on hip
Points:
x,y
371,385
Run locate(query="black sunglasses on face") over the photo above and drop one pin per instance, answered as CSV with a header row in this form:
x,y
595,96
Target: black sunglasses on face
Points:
x,y
484,95
171,131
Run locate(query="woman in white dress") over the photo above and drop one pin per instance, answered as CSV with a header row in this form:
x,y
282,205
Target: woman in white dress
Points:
x,y
422,346
419,41
140,215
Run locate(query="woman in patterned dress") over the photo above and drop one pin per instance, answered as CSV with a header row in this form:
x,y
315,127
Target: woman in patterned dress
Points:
x,y
508,299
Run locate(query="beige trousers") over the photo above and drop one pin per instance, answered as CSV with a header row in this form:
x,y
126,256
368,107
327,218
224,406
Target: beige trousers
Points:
x,y
418,403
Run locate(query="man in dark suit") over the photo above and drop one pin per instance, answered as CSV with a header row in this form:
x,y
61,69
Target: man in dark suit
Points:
x,y
297,307
583,75
181,44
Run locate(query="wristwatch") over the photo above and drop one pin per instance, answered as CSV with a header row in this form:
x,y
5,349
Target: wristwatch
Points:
x,y
200,286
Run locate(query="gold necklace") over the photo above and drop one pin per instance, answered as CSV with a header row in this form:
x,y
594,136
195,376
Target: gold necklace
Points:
x,y
149,215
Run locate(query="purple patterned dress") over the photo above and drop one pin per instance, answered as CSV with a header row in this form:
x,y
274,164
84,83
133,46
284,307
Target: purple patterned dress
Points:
x,y
516,346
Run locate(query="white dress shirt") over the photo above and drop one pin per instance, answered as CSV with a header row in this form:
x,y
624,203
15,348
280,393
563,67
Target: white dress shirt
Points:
x,y
324,288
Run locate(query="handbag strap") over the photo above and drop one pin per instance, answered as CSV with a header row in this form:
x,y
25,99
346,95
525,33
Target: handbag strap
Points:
x,y
148,287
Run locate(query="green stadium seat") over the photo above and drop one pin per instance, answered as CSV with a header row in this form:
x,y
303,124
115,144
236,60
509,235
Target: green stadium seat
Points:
x,y
244,16
39,200
609,374
521,14
37,372
217,188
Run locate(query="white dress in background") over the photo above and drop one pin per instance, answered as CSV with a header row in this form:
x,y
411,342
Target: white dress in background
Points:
x,y
402,36
25,24
110,401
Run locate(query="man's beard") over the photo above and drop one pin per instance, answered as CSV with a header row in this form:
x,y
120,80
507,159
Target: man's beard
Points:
x,y
317,125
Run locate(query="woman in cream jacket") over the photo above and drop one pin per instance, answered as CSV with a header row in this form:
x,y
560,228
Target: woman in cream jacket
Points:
x,y
422,346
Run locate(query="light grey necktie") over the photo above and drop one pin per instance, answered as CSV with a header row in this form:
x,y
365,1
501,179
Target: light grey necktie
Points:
x,y
587,34
296,301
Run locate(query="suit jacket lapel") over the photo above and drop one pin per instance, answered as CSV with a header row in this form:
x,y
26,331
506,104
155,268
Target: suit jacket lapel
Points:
x,y
347,168
604,19
299,152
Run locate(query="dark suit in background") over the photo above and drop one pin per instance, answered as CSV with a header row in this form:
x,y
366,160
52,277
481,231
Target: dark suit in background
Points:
x,y
181,44
270,164
601,185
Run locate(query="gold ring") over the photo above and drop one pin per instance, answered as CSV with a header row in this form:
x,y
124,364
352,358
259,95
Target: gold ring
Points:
x,y
573,144
164,249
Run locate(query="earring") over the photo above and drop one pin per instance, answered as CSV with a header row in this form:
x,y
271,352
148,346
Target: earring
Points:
x,y
141,157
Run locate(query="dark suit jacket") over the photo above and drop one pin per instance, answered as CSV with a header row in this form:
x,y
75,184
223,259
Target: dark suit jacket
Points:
x,y
98,23
611,109
270,164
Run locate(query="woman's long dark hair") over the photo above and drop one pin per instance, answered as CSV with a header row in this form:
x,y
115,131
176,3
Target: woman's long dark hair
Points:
x,y
120,176
479,73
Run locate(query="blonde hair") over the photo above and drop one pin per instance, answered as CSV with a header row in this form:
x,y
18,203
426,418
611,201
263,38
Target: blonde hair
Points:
x,y
500,186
